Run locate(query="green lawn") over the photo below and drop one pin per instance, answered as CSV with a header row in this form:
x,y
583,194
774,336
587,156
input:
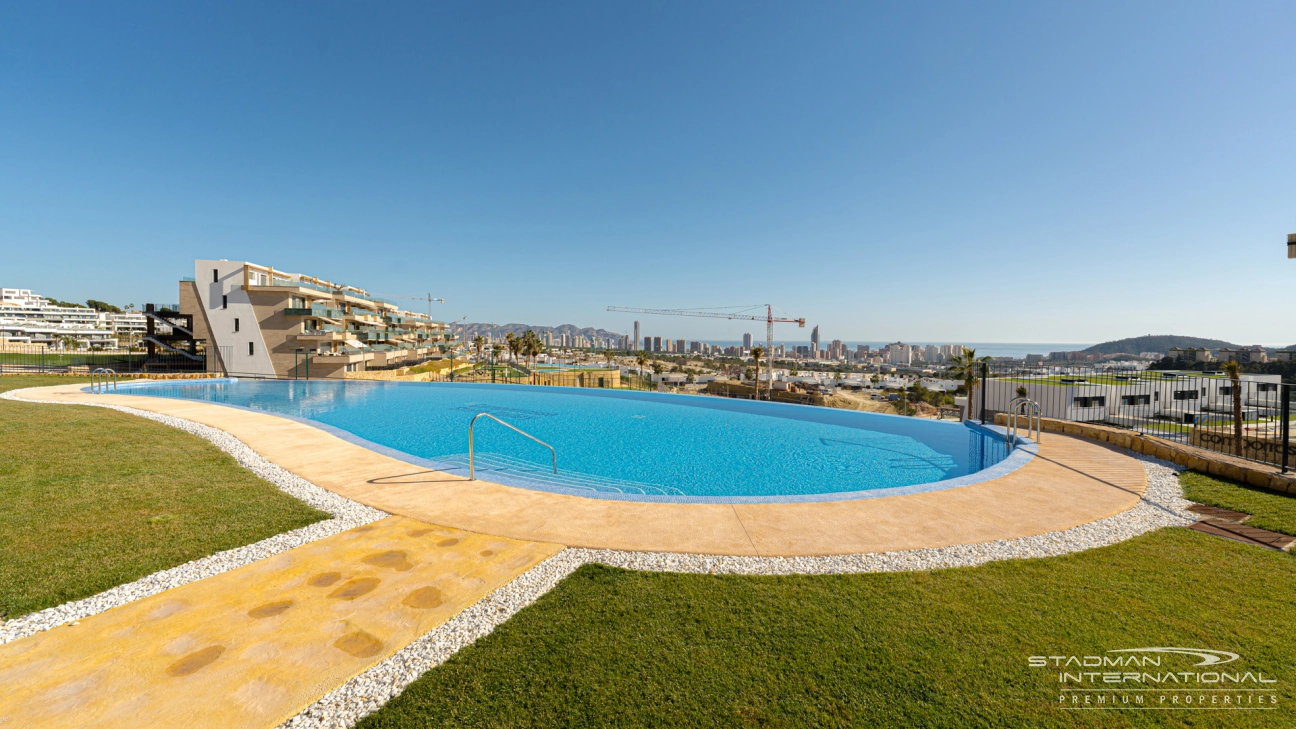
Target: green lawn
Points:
x,y
609,647
1269,509
91,498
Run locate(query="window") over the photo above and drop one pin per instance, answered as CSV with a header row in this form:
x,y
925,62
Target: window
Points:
x,y
1226,391
1185,394
1267,387
224,301
250,350
236,323
1090,402
215,276
1136,400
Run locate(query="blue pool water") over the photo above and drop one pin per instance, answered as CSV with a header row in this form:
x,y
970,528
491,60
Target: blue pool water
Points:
x,y
611,443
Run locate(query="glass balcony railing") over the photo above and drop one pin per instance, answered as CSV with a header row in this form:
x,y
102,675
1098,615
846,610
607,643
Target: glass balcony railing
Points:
x,y
287,282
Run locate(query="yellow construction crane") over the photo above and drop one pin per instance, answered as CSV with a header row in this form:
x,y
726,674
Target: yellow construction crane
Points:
x,y
769,319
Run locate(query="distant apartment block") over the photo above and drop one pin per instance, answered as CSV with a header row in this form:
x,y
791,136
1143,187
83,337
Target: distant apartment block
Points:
x,y
1253,354
28,318
266,322
1192,354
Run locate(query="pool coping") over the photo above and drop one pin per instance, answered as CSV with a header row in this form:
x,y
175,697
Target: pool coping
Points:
x,y
1019,456
1068,483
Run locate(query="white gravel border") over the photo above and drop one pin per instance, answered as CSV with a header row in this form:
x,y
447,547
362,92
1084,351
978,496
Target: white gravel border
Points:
x,y
347,514
1162,505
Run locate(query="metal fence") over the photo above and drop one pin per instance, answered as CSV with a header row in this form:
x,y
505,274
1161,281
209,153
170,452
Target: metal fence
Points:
x,y
519,375
1249,418
42,360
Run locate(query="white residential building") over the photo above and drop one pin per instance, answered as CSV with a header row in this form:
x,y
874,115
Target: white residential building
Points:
x,y
28,318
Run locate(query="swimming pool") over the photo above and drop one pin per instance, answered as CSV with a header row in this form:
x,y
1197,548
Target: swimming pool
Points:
x,y
631,445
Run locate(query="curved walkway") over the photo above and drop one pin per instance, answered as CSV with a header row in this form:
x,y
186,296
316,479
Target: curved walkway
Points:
x,y
325,633
1070,482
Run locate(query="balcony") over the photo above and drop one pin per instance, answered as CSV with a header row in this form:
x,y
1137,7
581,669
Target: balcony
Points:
x,y
319,311
318,335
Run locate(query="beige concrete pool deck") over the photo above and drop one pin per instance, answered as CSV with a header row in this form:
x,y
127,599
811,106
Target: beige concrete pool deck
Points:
x,y
1070,482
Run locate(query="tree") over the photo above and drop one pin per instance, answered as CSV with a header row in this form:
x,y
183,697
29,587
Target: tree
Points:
x,y
1021,391
1231,369
756,353
511,341
495,351
965,366
102,306
531,346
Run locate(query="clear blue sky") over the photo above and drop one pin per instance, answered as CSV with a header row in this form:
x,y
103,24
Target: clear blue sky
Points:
x,y
928,171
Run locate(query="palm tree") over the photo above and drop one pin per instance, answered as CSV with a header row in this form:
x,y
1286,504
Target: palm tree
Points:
x,y
479,343
756,353
967,367
531,346
511,340
1231,369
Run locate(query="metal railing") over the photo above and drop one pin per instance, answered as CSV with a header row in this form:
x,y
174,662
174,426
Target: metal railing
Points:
x,y
99,381
472,473
1022,406
1247,418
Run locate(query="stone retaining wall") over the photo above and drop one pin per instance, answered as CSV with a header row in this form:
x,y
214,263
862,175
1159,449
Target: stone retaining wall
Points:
x,y
1198,459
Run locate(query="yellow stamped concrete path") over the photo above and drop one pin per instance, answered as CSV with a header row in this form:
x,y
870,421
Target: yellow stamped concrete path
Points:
x,y
254,646
1070,482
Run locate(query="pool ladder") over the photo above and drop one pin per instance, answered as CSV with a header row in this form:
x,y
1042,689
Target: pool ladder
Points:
x,y
472,473
99,380
1028,409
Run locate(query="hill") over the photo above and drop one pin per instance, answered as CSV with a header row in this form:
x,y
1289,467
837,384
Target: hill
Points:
x,y
472,329
1154,343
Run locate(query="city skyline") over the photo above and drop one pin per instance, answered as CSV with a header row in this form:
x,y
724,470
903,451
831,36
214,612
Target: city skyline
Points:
x,y
872,169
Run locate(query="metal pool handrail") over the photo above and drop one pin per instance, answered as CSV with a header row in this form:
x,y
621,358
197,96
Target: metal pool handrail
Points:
x,y
472,474
1028,409
99,381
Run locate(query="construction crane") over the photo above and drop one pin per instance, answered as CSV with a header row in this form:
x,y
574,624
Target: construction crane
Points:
x,y
769,320
427,297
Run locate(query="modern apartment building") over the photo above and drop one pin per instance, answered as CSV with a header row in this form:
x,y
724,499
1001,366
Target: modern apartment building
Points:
x,y
28,318
266,322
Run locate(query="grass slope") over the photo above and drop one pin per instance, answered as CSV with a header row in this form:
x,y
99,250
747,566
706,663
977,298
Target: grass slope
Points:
x,y
1269,510
609,647
91,498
